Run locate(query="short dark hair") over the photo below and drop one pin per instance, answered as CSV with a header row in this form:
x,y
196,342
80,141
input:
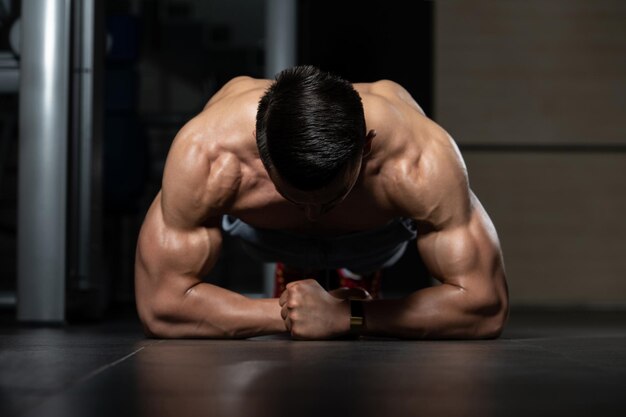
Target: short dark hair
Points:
x,y
309,126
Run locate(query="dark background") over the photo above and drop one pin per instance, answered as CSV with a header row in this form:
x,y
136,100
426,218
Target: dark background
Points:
x,y
164,60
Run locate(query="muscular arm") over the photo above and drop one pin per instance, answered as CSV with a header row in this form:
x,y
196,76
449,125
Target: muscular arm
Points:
x,y
460,247
180,242
472,300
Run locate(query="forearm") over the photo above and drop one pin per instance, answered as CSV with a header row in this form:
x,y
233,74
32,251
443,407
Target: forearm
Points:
x,y
440,312
208,311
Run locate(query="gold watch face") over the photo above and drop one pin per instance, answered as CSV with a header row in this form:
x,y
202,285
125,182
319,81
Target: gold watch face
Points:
x,y
356,321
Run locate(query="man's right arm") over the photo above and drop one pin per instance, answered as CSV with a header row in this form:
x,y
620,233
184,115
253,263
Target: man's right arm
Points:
x,y
179,243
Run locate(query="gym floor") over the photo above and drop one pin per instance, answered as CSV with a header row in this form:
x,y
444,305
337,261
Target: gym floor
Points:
x,y
546,363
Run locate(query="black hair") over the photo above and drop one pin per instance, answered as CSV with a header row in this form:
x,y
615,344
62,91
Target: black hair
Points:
x,y
309,126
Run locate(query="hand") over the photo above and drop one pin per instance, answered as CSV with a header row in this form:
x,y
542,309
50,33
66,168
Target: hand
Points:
x,y
345,293
310,312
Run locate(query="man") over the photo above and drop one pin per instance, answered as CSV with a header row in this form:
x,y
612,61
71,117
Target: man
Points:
x,y
320,174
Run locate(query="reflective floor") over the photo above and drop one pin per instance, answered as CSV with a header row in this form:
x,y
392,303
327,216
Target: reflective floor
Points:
x,y
570,364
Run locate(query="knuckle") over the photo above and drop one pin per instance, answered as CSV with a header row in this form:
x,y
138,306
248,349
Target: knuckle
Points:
x,y
293,300
294,316
297,333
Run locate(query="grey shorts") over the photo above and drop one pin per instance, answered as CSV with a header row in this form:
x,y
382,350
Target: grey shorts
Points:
x,y
360,251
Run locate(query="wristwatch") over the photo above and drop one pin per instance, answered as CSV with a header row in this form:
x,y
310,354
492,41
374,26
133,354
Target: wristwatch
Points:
x,y
357,318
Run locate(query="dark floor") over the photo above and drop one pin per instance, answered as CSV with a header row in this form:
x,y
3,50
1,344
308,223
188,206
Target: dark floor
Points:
x,y
546,364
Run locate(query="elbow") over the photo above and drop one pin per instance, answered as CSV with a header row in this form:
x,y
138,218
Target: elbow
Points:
x,y
170,318
154,323
491,327
492,319
486,311
159,315
154,328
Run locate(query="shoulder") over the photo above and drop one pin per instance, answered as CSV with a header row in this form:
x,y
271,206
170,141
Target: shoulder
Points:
x,y
203,171
241,83
429,182
200,177
388,93
420,167
238,87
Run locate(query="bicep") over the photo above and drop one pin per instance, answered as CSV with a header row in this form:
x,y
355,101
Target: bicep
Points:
x,y
466,254
169,262
174,254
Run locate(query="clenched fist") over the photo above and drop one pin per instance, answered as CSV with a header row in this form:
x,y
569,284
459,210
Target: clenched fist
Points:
x,y
310,312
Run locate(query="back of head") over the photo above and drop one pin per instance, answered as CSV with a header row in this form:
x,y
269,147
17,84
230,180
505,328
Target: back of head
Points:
x,y
310,125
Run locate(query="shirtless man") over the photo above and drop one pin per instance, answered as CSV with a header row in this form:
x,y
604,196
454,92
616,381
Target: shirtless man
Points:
x,y
312,158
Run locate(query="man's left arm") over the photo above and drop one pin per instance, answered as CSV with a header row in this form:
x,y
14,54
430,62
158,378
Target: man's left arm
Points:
x,y
472,300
